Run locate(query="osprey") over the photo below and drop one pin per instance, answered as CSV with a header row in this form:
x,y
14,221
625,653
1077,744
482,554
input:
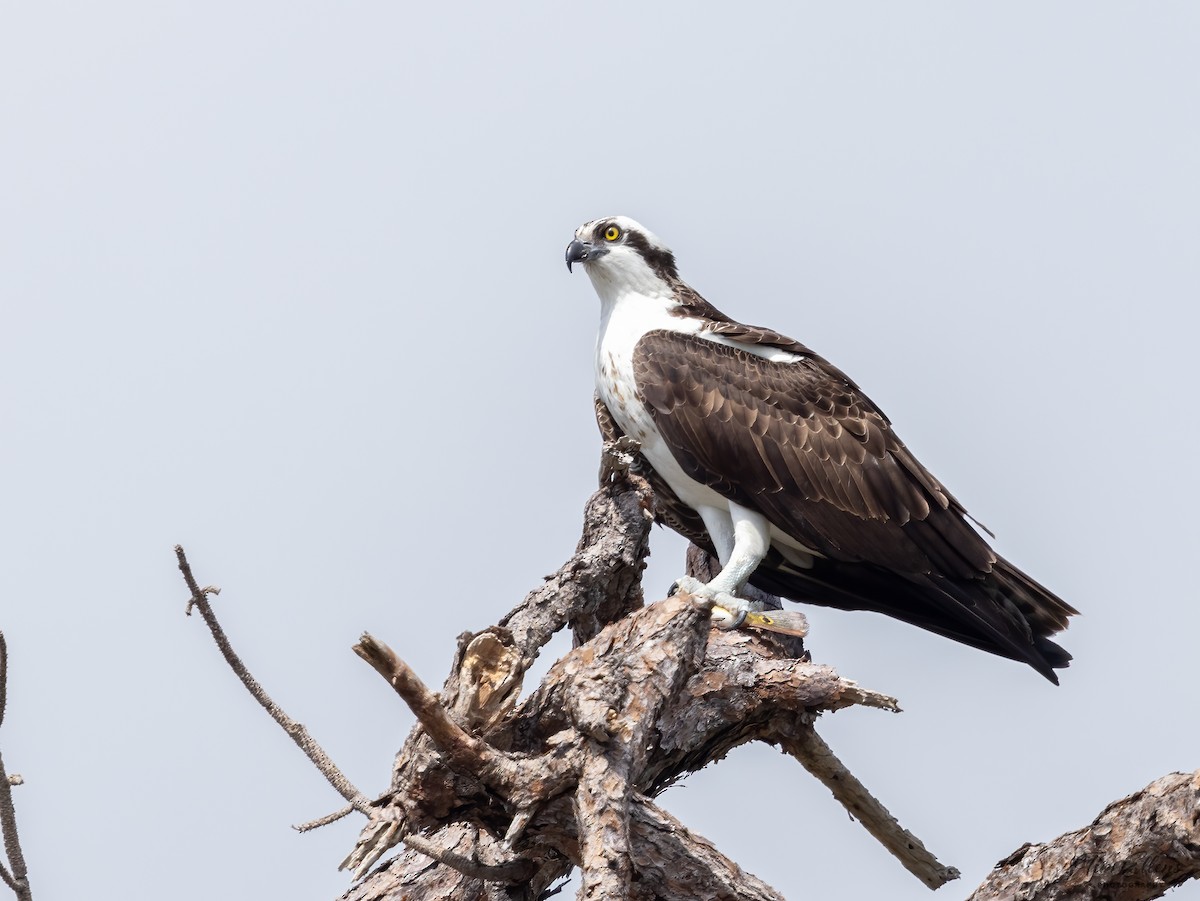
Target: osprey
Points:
x,y
769,457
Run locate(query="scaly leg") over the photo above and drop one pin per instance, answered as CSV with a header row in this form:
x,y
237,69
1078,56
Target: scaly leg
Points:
x,y
742,538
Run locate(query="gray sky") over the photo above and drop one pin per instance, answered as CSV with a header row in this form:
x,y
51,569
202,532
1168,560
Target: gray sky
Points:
x,y
284,282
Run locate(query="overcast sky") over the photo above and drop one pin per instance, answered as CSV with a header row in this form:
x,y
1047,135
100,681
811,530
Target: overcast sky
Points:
x,y
284,282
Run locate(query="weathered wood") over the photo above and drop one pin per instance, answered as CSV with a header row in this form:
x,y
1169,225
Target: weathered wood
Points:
x,y
816,757
1136,849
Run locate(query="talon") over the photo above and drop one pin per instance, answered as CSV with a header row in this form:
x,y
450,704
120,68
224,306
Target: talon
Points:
x,y
726,619
694,587
727,610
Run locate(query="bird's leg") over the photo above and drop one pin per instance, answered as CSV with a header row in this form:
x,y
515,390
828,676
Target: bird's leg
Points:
x,y
742,538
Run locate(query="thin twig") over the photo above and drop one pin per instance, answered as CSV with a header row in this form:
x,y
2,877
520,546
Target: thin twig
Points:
x,y
297,732
16,878
817,757
325,820
512,873
3,677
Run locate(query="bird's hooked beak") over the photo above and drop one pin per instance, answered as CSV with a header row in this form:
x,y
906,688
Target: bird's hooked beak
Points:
x,y
581,252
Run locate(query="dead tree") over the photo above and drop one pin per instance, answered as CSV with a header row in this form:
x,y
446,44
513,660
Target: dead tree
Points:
x,y
495,796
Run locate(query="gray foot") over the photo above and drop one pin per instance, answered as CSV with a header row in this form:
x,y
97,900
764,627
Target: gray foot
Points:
x,y
728,611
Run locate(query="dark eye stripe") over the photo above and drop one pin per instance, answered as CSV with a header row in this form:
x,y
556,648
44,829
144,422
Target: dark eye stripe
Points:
x,y
659,259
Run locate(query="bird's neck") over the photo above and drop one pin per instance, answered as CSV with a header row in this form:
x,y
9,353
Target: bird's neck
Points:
x,y
630,280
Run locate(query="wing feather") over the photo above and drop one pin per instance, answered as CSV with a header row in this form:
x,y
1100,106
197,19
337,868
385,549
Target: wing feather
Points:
x,y
1003,611
801,444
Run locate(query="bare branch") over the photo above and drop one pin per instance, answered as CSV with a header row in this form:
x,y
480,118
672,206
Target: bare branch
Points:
x,y
509,773
16,875
3,677
810,749
329,818
465,752
1136,849
297,732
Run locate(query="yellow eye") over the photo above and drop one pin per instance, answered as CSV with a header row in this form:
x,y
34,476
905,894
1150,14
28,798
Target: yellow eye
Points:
x,y
612,233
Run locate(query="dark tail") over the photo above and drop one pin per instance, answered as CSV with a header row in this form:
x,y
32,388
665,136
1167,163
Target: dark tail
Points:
x,y
1004,612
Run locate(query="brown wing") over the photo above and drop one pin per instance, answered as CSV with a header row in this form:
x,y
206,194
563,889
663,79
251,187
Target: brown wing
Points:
x,y
1002,611
800,443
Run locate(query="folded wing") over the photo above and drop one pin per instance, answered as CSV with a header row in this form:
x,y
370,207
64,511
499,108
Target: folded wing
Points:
x,y
800,443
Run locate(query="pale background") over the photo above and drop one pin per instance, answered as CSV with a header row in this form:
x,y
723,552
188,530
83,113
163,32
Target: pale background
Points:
x,y
284,282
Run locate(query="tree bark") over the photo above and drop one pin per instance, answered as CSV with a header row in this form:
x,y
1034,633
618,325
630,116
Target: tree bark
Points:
x,y
1136,849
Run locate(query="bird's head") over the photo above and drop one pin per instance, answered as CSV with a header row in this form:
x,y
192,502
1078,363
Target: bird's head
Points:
x,y
620,255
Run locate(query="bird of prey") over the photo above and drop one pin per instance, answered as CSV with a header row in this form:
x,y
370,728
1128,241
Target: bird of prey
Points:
x,y
765,454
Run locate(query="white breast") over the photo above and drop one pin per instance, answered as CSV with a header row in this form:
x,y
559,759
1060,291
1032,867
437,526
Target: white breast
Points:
x,y
623,322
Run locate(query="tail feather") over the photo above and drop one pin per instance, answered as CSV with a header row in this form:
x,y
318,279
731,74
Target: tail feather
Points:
x,y
1004,612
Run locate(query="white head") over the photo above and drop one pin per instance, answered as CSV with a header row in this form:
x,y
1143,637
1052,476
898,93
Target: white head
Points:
x,y
620,256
